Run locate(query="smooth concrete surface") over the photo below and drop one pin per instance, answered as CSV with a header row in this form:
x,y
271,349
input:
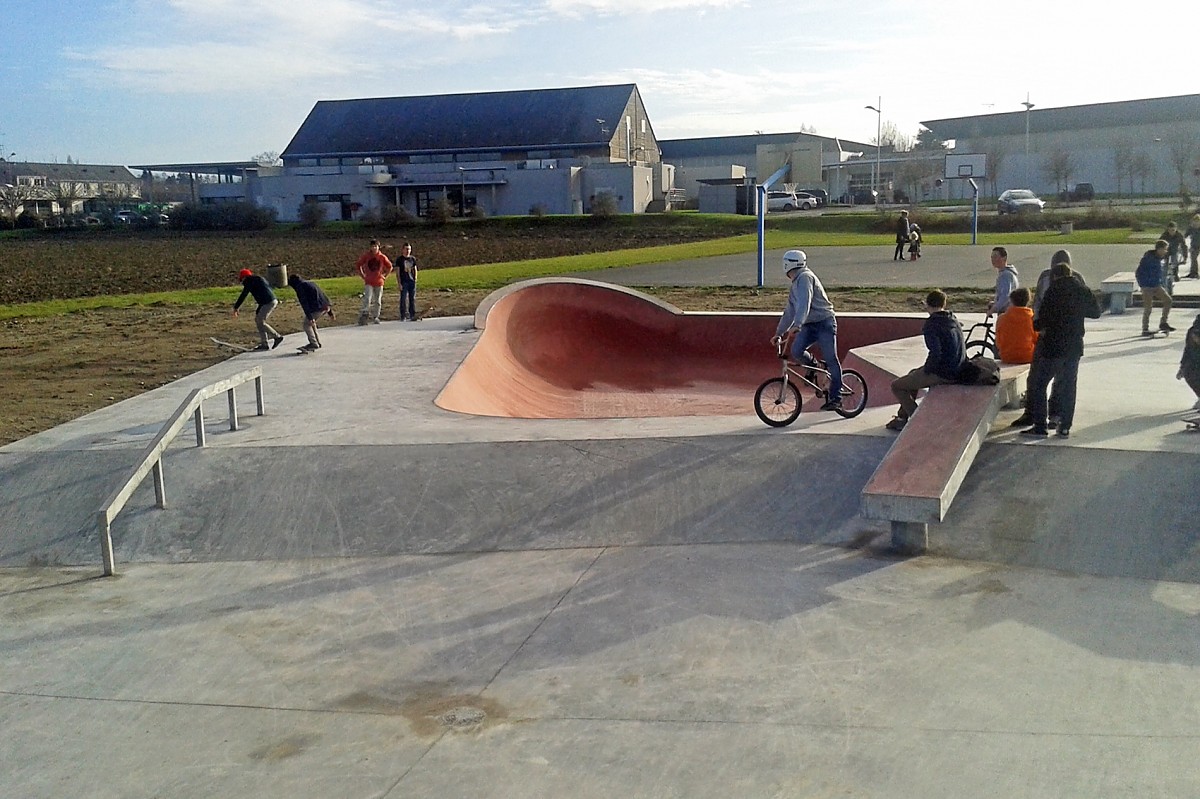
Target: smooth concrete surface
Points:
x,y
361,594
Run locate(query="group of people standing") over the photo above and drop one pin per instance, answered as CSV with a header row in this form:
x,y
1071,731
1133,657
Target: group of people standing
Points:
x,y
372,266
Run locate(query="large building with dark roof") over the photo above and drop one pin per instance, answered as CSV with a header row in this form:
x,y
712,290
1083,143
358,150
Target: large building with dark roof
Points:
x,y
500,152
1129,147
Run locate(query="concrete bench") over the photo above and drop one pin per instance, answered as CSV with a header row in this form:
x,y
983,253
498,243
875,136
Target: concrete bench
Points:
x,y
919,477
1117,291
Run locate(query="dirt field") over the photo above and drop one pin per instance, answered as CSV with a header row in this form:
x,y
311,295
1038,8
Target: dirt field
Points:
x,y
57,369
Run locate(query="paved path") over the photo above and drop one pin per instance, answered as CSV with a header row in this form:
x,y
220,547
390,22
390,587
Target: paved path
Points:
x,y
361,595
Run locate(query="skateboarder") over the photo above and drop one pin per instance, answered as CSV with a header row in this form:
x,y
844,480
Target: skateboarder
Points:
x,y
313,303
1189,364
261,289
1151,279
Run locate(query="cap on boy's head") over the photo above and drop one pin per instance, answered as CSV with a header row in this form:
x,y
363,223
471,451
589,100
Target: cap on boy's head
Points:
x,y
794,259
245,273
1060,257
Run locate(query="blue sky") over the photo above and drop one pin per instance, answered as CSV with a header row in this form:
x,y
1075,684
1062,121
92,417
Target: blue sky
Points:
x,y
134,81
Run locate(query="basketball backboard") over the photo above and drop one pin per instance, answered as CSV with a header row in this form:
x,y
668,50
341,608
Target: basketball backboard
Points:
x,y
967,165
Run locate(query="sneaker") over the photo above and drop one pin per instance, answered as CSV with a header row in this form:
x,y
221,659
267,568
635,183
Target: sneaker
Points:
x,y
1037,430
834,404
362,321
897,423
1147,333
277,342
308,348
1063,432
1164,327
1052,422
374,321
1024,420
261,348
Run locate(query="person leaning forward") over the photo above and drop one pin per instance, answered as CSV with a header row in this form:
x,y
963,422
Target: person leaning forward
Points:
x,y
947,352
258,287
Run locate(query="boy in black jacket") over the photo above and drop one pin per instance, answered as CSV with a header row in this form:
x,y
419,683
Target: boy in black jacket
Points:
x,y
314,303
258,286
947,353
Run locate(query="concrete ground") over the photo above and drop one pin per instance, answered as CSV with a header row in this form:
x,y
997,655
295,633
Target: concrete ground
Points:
x,y
359,594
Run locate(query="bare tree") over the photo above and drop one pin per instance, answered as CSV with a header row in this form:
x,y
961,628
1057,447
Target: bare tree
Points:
x,y
13,199
1059,167
66,194
996,154
268,158
1141,167
1122,153
1181,150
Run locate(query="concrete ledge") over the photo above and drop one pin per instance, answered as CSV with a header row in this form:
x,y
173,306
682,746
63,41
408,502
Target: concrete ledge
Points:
x,y
1117,291
919,477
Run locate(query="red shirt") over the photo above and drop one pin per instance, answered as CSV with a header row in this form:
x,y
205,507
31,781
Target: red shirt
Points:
x,y
373,268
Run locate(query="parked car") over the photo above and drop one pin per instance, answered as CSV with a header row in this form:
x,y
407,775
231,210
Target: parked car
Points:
x,y
1083,193
789,201
1019,201
821,195
126,217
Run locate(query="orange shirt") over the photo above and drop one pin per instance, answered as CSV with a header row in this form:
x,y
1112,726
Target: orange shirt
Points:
x,y
1015,336
373,268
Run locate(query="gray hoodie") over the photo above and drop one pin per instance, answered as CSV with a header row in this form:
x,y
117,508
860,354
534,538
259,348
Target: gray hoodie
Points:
x,y
807,302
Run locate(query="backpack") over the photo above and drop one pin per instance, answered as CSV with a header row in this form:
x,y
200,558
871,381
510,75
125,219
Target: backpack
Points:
x,y
979,371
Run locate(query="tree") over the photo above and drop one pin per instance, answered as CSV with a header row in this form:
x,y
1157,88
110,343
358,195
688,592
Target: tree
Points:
x,y
1122,153
12,199
1181,151
1142,167
1059,167
927,141
66,194
996,155
268,158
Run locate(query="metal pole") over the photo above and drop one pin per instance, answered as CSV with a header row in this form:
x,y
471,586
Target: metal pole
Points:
x,y
761,193
160,484
233,418
258,395
877,177
1028,172
106,547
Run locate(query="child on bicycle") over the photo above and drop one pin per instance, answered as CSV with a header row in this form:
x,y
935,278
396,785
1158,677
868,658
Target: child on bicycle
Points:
x,y
810,313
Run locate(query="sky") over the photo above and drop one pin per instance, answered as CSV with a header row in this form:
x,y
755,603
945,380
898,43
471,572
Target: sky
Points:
x,y
166,81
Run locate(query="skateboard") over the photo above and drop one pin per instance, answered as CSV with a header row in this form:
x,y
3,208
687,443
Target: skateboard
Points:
x,y
304,351
1193,423
228,346
1155,333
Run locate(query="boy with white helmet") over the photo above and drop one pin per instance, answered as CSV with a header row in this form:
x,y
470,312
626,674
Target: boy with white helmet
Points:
x,y
810,314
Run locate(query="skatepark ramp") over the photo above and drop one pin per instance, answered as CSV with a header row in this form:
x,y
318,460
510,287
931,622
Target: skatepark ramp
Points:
x,y
569,348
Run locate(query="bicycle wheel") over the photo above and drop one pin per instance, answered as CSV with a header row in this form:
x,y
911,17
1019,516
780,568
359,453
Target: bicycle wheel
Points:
x,y
982,347
777,402
854,394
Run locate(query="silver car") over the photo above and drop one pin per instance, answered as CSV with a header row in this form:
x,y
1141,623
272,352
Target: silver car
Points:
x,y
789,201
1019,201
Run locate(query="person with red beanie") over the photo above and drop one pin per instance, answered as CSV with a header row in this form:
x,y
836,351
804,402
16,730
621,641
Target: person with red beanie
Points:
x,y
258,286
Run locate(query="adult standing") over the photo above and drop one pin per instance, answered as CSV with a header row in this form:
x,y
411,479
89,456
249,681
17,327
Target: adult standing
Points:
x,y
810,313
1059,347
1193,237
903,230
1176,251
258,287
314,303
1043,286
1189,364
373,267
1151,277
1007,281
406,275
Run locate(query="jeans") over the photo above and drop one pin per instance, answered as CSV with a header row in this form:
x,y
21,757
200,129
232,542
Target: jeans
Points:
x,y
408,290
372,302
1064,371
824,333
265,331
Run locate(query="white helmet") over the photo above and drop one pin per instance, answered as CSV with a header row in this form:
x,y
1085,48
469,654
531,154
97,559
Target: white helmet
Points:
x,y
793,259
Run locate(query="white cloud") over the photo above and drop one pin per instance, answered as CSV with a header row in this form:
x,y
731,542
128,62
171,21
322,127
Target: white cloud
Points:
x,y
616,7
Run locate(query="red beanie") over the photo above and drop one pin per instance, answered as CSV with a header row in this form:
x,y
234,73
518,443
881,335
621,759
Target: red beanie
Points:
x,y
245,273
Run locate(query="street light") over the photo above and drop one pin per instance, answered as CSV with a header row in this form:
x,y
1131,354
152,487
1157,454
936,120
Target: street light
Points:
x,y
877,108
1028,107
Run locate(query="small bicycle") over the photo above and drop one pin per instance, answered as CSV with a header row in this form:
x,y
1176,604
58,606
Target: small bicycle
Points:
x,y
778,401
983,343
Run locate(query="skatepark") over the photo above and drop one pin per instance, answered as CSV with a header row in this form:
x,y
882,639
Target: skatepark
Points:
x,y
633,588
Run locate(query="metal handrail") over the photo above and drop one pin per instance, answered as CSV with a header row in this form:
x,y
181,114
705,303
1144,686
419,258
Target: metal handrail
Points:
x,y
152,458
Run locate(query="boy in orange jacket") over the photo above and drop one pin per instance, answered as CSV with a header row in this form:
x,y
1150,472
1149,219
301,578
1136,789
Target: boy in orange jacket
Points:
x,y
1015,336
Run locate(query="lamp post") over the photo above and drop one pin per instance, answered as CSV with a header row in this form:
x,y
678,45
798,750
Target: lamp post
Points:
x,y
1028,107
877,108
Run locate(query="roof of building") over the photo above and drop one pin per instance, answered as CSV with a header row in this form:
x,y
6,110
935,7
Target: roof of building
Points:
x,y
708,146
463,122
201,167
1075,117
79,173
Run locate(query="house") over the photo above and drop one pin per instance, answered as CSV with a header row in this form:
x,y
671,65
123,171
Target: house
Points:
x,y
1149,146
55,189
500,152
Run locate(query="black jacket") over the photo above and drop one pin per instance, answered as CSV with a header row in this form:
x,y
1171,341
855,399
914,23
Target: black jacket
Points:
x,y
312,300
1059,321
944,338
259,287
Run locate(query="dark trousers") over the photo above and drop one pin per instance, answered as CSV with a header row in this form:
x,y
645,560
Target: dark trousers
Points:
x,y
408,291
899,254
1064,371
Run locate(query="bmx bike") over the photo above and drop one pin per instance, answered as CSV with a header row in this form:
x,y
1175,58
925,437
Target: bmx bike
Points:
x,y
778,401
982,342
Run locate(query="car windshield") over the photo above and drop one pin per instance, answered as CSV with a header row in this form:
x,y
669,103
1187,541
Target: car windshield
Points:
x,y
1020,194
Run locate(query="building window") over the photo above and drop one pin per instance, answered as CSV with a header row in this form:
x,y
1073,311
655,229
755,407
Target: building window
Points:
x,y
326,198
330,162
